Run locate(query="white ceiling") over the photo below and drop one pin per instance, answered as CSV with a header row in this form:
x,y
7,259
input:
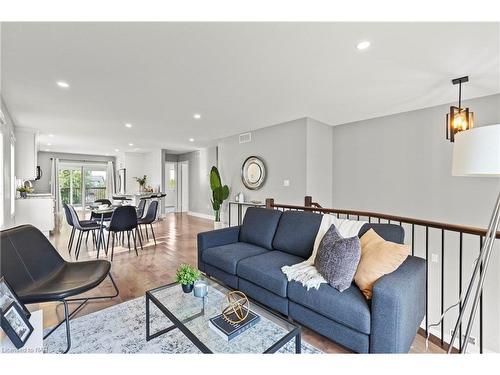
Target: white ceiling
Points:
x,y
238,76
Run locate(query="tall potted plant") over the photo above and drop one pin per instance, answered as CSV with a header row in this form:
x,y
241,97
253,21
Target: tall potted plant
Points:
x,y
219,194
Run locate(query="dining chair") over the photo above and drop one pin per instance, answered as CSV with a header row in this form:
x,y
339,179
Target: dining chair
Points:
x,y
150,218
82,228
123,220
140,208
69,220
97,217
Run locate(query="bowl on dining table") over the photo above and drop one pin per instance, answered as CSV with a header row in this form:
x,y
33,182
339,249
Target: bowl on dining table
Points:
x,y
103,206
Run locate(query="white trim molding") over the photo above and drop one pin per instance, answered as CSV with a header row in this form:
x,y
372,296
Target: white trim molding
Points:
x,y
199,214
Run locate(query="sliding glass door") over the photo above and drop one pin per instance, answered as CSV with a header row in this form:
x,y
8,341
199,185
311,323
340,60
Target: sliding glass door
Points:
x,y
81,184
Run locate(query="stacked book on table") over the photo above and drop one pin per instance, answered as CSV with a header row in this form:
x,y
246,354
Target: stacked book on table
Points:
x,y
229,331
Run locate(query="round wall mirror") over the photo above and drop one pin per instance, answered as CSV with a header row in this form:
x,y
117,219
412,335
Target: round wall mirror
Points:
x,y
253,173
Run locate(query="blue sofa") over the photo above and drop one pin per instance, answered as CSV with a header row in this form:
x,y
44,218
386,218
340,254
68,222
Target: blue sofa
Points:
x,y
249,258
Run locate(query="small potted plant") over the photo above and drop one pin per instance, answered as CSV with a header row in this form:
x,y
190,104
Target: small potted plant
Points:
x,y
186,275
24,191
142,182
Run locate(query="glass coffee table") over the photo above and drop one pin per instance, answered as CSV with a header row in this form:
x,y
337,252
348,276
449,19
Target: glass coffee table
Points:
x,y
191,315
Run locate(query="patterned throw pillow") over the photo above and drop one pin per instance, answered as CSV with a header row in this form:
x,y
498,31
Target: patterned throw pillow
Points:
x,y
337,259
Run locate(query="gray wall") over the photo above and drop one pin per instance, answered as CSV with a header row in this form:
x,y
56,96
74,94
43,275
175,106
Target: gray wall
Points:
x,y
283,149
200,163
319,160
401,164
43,185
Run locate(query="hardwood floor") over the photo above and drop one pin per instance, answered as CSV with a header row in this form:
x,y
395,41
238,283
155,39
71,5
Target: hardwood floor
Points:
x,y
155,266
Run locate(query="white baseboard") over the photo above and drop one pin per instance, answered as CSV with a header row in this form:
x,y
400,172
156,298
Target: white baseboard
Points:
x,y
203,216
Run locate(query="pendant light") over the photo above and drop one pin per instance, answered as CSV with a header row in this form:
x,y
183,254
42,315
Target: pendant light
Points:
x,y
459,119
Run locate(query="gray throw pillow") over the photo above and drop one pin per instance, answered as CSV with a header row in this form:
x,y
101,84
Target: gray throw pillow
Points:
x,y
337,259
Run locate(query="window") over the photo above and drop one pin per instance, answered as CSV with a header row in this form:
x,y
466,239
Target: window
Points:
x,y
171,178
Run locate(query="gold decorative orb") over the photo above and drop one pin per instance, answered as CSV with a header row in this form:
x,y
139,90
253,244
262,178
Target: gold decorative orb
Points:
x,y
238,307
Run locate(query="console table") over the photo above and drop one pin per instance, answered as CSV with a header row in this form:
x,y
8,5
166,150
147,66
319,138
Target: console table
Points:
x,y
240,210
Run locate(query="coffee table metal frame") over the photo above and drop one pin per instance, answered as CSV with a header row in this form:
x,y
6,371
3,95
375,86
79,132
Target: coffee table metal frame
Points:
x,y
180,324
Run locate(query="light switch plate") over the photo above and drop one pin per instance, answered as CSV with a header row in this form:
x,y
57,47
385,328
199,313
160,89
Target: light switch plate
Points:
x,y
286,182
434,258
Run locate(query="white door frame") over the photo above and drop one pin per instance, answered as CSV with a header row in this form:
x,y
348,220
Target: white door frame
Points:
x,y
183,190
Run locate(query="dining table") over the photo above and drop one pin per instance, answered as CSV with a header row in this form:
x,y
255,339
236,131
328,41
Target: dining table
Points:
x,y
99,210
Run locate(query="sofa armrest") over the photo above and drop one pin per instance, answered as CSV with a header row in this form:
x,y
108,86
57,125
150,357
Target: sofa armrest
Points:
x,y
213,238
398,307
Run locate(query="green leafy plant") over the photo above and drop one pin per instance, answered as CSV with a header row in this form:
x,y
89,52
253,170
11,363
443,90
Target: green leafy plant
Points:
x,y
141,180
219,192
186,274
24,189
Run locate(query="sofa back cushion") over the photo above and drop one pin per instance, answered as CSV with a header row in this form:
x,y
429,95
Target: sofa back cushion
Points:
x,y
389,232
259,226
296,232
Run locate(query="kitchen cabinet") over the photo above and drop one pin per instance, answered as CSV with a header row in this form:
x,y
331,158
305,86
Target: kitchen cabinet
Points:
x,y
26,153
37,210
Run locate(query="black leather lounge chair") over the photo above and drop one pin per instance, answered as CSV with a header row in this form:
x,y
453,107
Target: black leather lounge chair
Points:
x,y
38,274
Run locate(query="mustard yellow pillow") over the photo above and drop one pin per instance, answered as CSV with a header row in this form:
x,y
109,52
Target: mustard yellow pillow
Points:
x,y
378,258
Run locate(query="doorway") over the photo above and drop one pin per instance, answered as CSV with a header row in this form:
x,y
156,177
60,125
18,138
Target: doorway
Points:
x,y
184,188
81,184
171,187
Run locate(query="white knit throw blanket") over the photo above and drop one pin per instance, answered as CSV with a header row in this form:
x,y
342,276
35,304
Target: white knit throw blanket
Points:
x,y
305,272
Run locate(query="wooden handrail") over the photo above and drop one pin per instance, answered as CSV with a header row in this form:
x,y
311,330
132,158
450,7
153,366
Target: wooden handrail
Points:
x,y
402,219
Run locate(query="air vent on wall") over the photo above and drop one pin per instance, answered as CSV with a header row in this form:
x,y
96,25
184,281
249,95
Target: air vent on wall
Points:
x,y
245,137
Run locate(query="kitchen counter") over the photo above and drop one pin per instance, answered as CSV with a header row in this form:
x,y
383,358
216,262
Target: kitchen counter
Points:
x,y
38,196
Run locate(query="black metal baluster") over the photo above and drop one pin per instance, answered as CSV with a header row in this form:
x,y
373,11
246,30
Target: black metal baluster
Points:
x,y
426,280
379,220
369,219
481,302
358,217
460,290
442,285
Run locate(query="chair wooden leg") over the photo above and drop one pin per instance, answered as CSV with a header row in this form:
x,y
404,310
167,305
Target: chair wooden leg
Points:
x,y
87,238
107,244
128,240
135,242
113,246
71,237
153,232
138,234
78,244
147,235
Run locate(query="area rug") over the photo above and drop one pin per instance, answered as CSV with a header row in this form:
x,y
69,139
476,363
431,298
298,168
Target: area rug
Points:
x,y
121,329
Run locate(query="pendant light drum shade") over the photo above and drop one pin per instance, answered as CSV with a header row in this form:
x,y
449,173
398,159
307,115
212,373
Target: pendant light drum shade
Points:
x,y
477,152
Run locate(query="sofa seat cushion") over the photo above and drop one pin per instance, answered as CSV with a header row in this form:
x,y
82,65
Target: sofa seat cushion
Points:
x,y
259,226
265,270
226,257
349,307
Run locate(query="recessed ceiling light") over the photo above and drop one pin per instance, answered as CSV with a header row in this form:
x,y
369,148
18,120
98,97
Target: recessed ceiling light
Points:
x,y
51,135
197,116
47,149
363,45
128,125
191,139
49,144
106,154
117,150
63,84
131,144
